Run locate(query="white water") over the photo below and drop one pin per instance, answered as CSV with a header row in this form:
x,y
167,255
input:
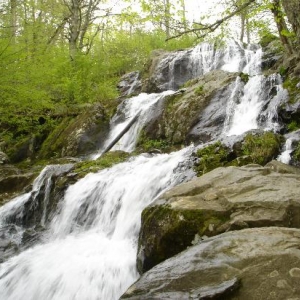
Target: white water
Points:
x,y
246,112
253,105
285,156
90,249
142,103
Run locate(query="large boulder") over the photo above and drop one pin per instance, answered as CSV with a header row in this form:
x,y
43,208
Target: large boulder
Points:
x,y
78,136
13,181
222,200
259,263
196,113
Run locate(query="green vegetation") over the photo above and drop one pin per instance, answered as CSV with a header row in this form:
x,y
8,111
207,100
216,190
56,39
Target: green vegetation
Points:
x,y
290,84
199,90
261,148
293,125
258,149
146,144
244,77
107,160
211,157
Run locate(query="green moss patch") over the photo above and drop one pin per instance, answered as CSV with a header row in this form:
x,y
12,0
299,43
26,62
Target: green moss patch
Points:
x,y
257,148
107,160
166,232
261,148
211,157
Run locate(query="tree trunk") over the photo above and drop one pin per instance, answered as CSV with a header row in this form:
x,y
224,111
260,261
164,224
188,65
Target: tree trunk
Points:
x,y
292,10
13,18
75,22
248,31
167,18
184,21
281,26
243,19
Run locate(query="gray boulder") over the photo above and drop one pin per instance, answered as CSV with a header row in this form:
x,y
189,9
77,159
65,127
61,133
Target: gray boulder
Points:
x,y
224,199
258,263
130,84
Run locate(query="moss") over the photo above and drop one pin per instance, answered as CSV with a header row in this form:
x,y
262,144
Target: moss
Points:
x,y
258,149
166,232
293,125
146,144
261,148
290,84
211,157
107,160
199,90
267,39
244,77
296,153
191,82
53,144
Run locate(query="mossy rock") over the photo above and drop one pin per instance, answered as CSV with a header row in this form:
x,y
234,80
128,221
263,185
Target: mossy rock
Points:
x,y
107,160
166,232
262,148
77,136
211,157
256,148
182,110
291,85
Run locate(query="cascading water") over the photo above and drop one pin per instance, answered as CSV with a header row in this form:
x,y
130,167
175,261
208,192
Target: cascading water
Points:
x,y
143,105
285,156
88,250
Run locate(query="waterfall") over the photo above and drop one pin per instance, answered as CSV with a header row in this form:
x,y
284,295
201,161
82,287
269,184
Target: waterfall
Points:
x,y
253,105
144,104
89,250
285,156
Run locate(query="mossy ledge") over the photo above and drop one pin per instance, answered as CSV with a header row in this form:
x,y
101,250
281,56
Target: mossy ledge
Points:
x,y
255,148
166,232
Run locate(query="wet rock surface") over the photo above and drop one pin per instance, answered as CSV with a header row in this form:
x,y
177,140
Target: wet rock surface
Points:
x,y
79,136
256,263
224,199
130,84
13,181
200,103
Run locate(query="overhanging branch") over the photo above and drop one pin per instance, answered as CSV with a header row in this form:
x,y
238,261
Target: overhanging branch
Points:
x,y
208,28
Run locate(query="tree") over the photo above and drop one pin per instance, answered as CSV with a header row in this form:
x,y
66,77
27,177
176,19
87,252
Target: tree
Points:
x,y
283,30
292,9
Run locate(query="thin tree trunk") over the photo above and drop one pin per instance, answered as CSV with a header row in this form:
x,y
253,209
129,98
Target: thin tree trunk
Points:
x,y
281,26
242,16
292,10
75,22
13,18
167,18
184,21
248,31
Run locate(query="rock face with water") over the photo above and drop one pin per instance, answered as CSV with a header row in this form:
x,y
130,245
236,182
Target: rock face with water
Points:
x,y
258,263
225,199
202,103
130,84
13,181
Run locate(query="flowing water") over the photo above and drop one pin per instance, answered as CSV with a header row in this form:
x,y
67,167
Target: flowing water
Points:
x,y
88,250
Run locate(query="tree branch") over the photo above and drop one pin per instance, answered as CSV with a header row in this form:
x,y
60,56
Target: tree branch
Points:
x,y
211,27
